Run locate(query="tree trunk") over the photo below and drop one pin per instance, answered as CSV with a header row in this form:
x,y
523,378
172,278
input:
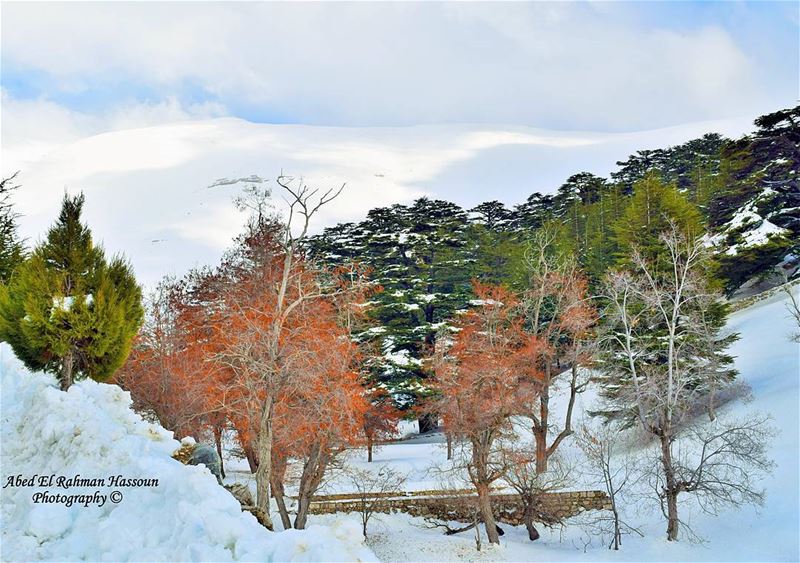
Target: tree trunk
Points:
x,y
313,472
449,446
540,432
427,423
672,516
67,364
280,500
252,461
218,443
369,449
485,506
302,512
671,490
264,471
527,516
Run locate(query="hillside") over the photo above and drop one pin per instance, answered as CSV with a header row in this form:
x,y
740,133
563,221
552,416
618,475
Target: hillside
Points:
x,y
743,196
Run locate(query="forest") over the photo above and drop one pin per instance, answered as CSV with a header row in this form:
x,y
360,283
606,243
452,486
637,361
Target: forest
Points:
x,y
298,347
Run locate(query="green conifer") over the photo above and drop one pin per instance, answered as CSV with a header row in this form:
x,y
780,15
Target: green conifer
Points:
x,y
68,311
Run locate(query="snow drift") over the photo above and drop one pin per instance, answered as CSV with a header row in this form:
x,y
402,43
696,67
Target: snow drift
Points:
x,y
91,433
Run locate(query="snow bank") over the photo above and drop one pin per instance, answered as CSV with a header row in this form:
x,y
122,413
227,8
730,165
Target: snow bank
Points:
x,y
91,433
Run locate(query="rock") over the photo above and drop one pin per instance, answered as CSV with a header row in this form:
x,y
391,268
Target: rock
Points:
x,y
207,455
184,453
191,453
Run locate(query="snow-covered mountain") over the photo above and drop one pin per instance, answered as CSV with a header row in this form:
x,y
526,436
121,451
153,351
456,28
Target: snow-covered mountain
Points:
x,y
148,196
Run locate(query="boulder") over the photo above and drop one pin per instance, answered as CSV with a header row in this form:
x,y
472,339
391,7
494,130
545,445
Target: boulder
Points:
x,y
192,453
259,514
207,455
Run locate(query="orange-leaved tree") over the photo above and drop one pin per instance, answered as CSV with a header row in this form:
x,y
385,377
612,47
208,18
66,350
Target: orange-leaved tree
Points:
x,y
482,379
321,410
273,306
164,370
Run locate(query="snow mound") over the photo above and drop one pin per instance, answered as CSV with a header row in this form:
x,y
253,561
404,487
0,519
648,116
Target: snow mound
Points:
x,y
91,433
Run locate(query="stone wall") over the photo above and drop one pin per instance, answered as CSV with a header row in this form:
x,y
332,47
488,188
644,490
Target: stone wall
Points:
x,y
459,505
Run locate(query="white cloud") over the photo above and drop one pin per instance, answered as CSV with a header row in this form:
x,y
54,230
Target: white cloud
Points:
x,y
144,157
562,64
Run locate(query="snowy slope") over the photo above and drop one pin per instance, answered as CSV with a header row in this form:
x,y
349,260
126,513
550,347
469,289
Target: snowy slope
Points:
x,y
91,432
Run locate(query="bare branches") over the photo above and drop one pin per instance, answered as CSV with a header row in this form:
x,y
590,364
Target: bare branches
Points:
x,y
523,475
303,202
722,463
616,471
371,487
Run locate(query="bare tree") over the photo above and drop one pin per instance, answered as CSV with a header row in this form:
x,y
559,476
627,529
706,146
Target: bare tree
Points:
x,y
612,468
531,484
560,315
372,488
721,463
665,362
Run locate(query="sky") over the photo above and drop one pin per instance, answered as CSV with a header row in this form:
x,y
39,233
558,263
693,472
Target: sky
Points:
x,y
143,105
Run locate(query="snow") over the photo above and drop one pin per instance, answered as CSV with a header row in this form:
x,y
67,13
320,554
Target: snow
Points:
x,y
481,302
62,303
757,230
762,233
91,431
400,357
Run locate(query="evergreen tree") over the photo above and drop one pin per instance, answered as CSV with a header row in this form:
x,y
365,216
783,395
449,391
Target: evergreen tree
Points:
x,y
491,214
636,167
417,255
67,310
493,248
533,213
754,210
651,209
11,250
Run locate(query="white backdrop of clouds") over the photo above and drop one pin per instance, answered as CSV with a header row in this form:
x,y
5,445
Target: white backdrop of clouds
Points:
x,y
593,65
